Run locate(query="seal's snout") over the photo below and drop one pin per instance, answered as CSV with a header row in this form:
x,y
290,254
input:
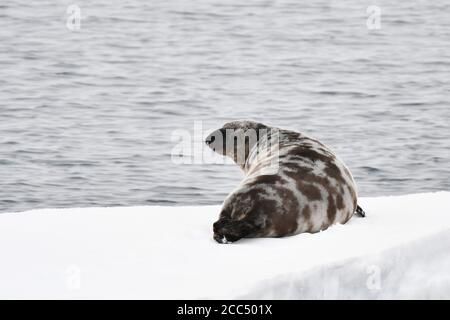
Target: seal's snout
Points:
x,y
216,142
219,232
224,232
215,137
210,140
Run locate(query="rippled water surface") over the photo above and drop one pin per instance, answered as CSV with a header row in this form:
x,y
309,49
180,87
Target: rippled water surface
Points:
x,y
86,117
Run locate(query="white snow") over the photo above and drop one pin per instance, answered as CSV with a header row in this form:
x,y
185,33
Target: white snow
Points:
x,y
400,250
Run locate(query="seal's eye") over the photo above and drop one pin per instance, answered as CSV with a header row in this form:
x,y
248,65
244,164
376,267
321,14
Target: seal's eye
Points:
x,y
211,140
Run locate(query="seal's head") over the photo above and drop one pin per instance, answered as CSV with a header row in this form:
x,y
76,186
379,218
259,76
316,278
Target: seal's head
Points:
x,y
235,139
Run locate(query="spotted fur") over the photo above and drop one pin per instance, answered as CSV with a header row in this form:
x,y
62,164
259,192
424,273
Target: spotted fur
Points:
x,y
293,184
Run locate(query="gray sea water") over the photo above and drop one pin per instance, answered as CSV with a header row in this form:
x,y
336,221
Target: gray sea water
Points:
x,y
86,116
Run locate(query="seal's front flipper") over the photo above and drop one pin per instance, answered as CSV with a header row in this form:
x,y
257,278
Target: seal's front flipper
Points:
x,y
231,231
360,212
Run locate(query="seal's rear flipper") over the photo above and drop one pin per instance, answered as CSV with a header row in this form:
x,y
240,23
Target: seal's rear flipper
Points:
x,y
227,231
360,212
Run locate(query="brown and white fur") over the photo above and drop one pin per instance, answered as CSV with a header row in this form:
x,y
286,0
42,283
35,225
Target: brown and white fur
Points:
x,y
293,183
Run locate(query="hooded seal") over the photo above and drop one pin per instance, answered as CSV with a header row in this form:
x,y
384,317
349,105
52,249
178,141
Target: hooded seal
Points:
x,y
293,183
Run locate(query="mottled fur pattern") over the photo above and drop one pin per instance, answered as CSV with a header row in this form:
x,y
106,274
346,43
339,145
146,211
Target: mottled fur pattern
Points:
x,y
307,188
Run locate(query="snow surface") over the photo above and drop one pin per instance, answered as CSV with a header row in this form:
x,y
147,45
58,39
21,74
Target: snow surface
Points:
x,y
400,250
